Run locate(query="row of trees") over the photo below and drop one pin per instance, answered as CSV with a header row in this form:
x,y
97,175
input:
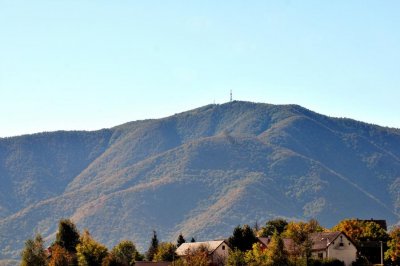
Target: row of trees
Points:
x,y
247,251
73,248
362,232
274,255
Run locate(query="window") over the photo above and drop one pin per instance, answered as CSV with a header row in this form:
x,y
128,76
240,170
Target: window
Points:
x,y
223,247
341,242
320,255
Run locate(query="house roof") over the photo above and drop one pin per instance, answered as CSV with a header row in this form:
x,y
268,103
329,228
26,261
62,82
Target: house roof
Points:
x,y
264,240
288,243
211,246
322,240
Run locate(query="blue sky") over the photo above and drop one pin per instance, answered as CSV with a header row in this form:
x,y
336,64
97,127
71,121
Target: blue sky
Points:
x,y
90,64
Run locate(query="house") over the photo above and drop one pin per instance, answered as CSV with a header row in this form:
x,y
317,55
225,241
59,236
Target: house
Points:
x,y
217,251
332,245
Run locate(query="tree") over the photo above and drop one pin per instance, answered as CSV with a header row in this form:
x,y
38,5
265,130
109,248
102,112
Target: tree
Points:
x,y
300,232
279,225
192,240
256,256
153,247
110,260
125,253
373,232
67,235
236,258
242,238
89,251
235,241
313,226
165,252
360,230
180,240
61,257
393,252
329,262
33,253
276,253
367,235
197,257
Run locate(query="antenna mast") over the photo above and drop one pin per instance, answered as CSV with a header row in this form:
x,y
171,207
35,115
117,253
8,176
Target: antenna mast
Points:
x,y
231,95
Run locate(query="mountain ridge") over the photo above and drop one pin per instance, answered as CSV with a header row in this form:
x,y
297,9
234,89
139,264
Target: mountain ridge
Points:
x,y
197,172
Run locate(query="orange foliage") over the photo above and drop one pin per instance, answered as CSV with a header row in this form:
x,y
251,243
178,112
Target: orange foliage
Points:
x,y
61,257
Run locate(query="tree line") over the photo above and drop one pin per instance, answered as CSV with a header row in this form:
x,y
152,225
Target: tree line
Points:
x,y
247,251
72,248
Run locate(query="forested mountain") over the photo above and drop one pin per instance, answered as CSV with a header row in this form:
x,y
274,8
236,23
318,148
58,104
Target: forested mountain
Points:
x,y
200,172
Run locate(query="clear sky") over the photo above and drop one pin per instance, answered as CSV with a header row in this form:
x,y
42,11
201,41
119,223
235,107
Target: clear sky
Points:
x,y
90,64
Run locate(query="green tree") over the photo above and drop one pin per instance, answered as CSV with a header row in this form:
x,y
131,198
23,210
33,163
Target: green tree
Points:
x,y
125,253
276,254
393,252
89,251
152,250
236,258
67,235
180,240
279,225
192,240
33,253
242,238
256,256
300,232
165,252
373,232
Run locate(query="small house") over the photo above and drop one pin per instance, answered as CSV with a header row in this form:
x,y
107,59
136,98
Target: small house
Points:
x,y
217,251
334,245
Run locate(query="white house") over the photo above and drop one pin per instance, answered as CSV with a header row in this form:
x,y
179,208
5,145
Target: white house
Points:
x,y
335,245
218,250
332,245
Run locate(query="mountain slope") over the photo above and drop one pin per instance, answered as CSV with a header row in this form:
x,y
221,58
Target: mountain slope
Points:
x,y
200,172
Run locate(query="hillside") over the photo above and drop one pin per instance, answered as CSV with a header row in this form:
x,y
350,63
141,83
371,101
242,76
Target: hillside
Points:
x,y
201,172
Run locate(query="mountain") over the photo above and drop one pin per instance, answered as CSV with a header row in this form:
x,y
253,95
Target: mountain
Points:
x,y
201,172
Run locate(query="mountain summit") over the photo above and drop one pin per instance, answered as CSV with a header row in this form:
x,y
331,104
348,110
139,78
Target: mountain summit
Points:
x,y
201,172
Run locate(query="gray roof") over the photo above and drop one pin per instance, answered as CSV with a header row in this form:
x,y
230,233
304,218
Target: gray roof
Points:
x,y
322,240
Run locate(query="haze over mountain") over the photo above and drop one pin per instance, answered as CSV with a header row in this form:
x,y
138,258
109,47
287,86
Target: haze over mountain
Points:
x,y
201,172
